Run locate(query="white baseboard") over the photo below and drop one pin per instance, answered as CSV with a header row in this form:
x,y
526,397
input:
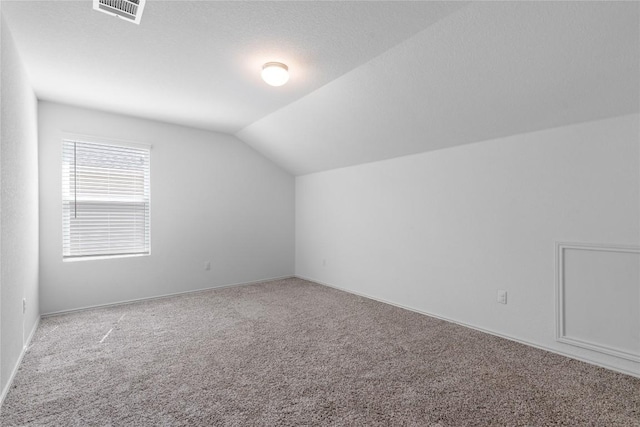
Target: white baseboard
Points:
x,y
486,331
26,345
131,301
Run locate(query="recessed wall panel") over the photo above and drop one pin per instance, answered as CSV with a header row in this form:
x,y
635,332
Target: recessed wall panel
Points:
x,y
599,298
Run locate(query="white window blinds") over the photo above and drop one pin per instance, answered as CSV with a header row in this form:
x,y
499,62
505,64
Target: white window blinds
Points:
x,y
105,199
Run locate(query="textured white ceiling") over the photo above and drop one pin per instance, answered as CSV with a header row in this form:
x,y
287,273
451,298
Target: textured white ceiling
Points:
x,y
488,70
369,80
198,63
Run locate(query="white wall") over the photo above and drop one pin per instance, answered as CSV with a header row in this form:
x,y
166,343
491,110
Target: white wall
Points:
x,y
212,199
441,231
19,210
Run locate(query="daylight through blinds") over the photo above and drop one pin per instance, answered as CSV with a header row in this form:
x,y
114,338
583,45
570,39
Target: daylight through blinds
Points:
x,y
105,199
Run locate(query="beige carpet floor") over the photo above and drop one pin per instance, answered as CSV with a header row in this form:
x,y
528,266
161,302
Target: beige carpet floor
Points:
x,y
293,353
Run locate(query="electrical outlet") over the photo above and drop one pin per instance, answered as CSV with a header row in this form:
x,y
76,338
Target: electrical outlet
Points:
x,y
324,262
502,296
207,266
24,305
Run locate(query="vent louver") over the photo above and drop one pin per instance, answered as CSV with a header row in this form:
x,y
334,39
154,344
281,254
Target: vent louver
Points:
x,y
129,10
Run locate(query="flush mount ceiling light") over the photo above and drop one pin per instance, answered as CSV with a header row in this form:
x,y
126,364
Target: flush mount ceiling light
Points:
x,y
275,73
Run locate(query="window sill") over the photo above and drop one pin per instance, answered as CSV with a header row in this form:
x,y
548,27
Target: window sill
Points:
x,y
99,257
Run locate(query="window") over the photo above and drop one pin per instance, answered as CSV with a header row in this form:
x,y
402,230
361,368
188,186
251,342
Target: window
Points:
x,y
105,199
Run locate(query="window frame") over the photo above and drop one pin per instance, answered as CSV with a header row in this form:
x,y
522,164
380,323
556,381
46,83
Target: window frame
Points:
x,y
73,137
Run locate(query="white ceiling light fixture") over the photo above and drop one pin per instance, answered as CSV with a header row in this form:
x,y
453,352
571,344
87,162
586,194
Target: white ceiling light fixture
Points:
x,y
275,73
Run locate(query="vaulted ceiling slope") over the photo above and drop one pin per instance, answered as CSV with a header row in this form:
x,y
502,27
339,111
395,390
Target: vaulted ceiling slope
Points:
x,y
369,80
198,63
488,70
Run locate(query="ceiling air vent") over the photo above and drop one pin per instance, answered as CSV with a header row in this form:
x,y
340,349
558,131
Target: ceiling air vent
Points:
x,y
129,10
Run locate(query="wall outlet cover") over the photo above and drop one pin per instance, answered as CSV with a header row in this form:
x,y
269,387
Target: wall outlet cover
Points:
x,y
502,296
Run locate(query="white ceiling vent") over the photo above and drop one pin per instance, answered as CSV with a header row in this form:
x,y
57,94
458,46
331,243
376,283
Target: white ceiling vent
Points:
x,y
129,10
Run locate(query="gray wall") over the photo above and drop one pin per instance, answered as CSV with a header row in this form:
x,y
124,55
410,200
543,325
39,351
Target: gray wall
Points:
x,y
442,231
213,199
19,210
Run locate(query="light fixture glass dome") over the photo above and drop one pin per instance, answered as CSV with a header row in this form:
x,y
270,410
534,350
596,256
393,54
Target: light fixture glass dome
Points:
x,y
275,73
